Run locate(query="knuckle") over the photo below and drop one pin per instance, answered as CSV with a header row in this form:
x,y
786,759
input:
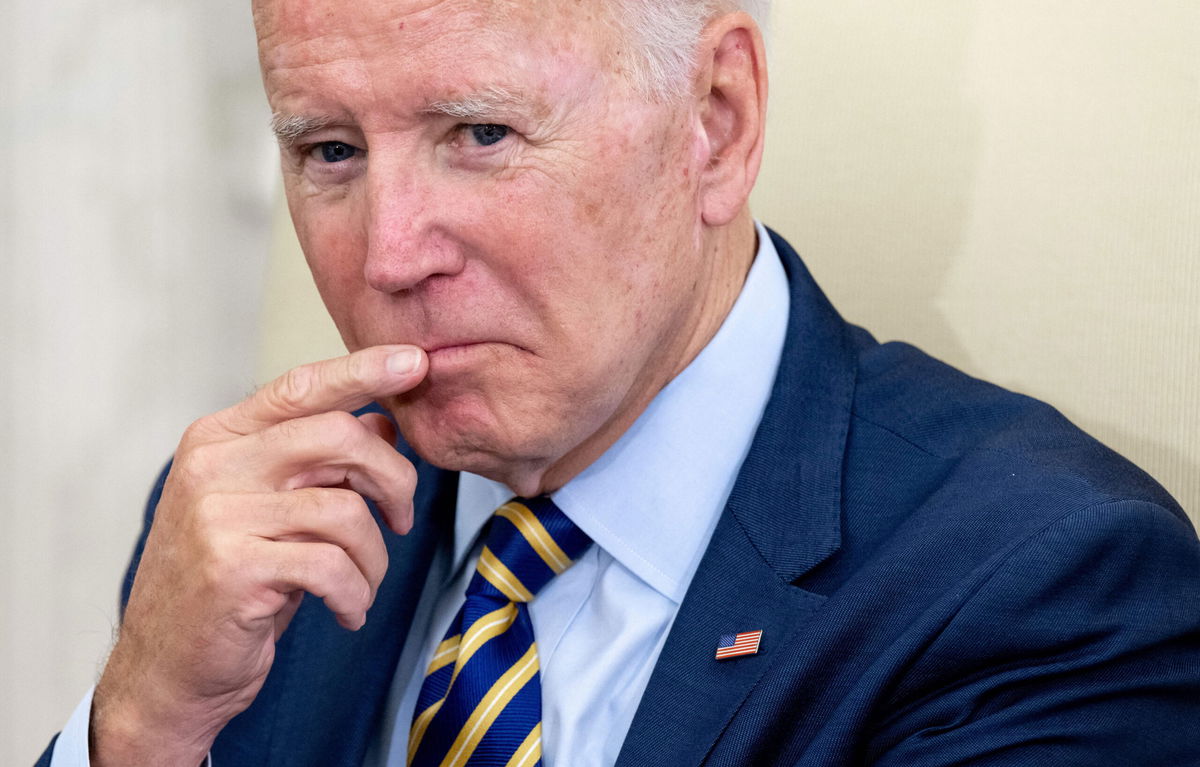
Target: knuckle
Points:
x,y
380,566
408,474
329,559
363,596
218,569
358,369
288,509
310,501
217,566
341,431
206,510
309,572
340,419
208,527
348,509
293,388
199,463
197,433
283,433
290,574
211,576
354,592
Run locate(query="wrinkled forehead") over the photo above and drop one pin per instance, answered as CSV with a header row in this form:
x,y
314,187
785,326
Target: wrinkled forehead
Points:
x,y
288,29
391,57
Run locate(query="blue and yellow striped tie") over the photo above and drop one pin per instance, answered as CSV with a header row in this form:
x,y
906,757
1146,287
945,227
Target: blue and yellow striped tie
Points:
x,y
481,701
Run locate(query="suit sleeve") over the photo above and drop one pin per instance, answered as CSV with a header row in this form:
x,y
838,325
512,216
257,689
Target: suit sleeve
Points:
x,y
1082,649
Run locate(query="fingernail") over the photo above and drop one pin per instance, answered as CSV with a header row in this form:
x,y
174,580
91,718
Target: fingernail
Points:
x,y
405,362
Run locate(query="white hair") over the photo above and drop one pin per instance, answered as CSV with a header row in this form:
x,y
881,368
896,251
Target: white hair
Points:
x,y
666,35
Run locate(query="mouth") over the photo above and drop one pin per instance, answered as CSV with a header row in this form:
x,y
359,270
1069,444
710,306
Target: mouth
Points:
x,y
447,357
450,349
461,356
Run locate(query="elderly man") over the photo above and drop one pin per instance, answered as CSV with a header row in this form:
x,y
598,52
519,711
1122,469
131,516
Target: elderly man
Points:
x,y
746,533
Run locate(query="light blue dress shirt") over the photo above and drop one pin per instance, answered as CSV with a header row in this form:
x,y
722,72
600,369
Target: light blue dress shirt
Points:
x,y
650,504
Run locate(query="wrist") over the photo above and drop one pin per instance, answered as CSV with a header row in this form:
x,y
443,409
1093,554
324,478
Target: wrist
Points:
x,y
132,729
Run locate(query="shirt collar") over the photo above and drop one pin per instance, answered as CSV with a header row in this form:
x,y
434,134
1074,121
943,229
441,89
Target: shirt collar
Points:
x,y
668,477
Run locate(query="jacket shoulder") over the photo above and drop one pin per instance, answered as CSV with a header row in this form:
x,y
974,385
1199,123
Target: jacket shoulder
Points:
x,y
945,466
971,425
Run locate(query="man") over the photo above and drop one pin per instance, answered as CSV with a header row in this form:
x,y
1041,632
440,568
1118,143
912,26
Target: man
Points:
x,y
529,222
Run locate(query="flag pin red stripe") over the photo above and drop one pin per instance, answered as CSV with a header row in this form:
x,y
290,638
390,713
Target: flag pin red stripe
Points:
x,y
736,645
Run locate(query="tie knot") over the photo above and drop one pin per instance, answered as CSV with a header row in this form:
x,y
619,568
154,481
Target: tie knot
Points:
x,y
529,541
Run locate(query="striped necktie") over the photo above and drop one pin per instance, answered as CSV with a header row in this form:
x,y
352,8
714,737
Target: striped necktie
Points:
x,y
481,701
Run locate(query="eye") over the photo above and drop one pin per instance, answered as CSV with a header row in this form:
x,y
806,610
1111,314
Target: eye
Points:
x,y
335,151
487,134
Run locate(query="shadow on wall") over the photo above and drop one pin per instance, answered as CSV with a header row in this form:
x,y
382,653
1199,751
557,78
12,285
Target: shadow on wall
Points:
x,y
872,150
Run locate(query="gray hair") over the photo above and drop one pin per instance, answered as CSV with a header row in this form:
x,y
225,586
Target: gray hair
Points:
x,y
665,35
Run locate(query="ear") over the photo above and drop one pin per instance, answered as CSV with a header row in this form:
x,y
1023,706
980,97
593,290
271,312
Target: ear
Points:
x,y
731,91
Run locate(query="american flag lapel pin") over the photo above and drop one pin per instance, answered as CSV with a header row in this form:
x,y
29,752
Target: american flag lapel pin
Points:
x,y
734,645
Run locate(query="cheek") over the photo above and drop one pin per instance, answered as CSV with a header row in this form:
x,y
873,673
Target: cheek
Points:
x,y
647,212
642,206
334,248
334,255
643,192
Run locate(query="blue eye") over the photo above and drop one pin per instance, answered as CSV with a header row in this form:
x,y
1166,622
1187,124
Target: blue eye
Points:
x,y
336,151
488,134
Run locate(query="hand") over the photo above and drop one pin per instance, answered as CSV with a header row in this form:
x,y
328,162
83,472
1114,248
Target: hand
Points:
x,y
264,502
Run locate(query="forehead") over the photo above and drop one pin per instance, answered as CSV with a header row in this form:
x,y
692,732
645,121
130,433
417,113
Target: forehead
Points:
x,y
423,40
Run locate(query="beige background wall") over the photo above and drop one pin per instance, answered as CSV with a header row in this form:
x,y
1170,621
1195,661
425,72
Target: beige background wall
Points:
x,y
1014,186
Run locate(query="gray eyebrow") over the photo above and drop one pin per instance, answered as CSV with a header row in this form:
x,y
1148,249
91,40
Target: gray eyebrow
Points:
x,y
476,106
289,129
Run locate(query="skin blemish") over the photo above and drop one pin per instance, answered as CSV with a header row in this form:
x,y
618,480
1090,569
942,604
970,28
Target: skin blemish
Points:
x,y
592,210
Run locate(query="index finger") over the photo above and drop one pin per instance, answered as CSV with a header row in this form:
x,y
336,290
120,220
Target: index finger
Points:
x,y
342,383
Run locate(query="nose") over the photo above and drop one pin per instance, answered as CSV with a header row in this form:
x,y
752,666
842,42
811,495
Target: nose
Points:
x,y
407,240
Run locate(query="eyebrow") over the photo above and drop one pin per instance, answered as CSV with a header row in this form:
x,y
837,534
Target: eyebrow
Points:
x,y
289,129
476,106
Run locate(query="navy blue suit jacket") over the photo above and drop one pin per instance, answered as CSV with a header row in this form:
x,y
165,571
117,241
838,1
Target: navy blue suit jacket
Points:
x,y
945,573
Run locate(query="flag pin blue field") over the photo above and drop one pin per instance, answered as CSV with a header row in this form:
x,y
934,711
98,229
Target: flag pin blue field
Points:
x,y
735,645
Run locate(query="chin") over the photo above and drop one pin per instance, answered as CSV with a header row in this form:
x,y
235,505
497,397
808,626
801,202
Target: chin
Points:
x,y
462,435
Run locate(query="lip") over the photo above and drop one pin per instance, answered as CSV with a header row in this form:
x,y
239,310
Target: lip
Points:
x,y
468,355
452,348
448,357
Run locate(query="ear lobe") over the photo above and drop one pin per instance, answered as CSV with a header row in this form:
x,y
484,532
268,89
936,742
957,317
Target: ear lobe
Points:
x,y
733,93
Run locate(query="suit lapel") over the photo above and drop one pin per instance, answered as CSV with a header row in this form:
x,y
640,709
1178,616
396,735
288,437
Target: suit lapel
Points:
x,y
691,695
783,518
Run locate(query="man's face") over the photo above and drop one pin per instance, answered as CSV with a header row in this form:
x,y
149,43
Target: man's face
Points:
x,y
477,178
